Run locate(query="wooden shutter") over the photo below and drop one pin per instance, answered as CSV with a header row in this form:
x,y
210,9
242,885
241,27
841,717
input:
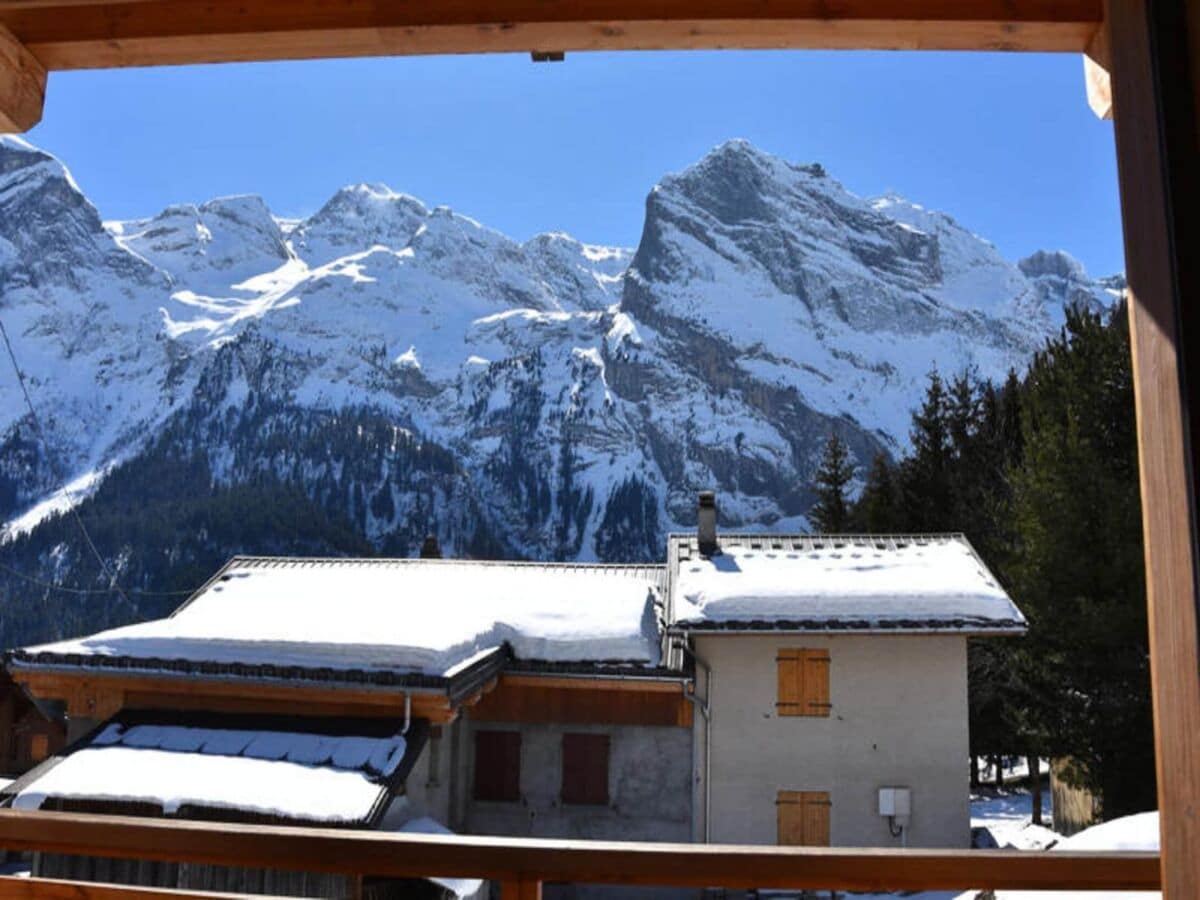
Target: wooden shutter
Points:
x,y
498,766
803,682
585,769
803,818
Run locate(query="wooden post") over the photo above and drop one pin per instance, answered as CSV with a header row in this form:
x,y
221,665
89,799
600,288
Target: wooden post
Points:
x,y
524,889
1154,47
22,85
1035,788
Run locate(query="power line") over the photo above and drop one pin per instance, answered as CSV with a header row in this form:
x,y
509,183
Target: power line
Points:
x,y
87,591
59,474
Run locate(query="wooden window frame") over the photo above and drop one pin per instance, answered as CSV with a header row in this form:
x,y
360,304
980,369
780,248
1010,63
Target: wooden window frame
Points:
x,y
1149,49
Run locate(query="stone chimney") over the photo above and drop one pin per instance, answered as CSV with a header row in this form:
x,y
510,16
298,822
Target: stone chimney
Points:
x,y
706,523
430,548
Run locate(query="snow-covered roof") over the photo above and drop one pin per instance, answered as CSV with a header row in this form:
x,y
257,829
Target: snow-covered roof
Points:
x,y
294,775
410,617
818,583
460,887
1139,832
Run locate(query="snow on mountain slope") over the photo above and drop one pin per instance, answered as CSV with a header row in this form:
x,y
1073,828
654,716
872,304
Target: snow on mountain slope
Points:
x,y
846,301
582,392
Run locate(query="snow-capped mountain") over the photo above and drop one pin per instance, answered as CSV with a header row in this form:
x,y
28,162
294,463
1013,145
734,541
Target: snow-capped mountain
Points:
x,y
408,369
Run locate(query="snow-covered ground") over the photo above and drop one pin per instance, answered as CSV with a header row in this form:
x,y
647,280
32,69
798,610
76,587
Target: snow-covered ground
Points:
x,y
1138,832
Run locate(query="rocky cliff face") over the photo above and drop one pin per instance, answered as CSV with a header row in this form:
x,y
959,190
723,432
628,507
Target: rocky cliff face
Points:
x,y
406,369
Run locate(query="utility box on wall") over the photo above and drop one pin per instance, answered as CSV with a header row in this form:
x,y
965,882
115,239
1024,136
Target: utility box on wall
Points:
x,y
895,803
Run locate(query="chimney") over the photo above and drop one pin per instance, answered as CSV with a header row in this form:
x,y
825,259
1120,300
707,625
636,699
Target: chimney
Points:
x,y
430,548
706,523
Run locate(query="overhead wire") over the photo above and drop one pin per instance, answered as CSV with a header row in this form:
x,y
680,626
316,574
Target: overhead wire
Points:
x,y
59,473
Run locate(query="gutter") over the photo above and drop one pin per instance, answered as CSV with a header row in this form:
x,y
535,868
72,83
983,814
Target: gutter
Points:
x,y
706,711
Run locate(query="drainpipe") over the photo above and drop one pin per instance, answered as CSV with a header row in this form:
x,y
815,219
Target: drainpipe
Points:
x,y
407,712
706,711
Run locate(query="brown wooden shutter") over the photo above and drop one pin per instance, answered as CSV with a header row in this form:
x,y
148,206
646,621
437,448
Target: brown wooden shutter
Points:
x,y
803,682
803,818
498,766
816,683
585,769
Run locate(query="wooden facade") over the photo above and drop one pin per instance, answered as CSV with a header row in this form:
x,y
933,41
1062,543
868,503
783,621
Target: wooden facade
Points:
x,y
27,735
583,701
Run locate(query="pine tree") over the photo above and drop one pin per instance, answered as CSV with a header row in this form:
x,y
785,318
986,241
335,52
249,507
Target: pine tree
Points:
x,y
925,474
1078,575
831,513
878,508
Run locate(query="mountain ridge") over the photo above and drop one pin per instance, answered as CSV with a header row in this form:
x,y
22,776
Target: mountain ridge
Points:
x,y
547,398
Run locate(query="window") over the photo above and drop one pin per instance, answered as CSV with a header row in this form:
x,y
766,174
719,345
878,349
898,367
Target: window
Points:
x,y
803,682
803,818
498,766
585,769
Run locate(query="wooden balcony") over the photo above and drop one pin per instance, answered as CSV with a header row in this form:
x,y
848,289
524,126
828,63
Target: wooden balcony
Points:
x,y
522,865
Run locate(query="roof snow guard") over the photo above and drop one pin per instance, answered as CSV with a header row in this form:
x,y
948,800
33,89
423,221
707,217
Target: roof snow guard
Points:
x,y
821,583
424,623
234,768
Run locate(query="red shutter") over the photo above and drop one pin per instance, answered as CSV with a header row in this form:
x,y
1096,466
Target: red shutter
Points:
x,y
585,769
498,766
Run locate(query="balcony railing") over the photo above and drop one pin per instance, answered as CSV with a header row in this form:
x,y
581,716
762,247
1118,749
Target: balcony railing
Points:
x,y
522,865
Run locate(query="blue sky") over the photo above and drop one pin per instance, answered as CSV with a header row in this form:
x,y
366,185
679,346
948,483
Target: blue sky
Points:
x,y
1005,143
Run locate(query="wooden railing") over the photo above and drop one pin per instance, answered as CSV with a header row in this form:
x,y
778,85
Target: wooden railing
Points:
x,y
523,864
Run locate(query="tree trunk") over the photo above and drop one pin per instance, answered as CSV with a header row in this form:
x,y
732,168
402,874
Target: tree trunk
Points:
x,y
974,771
998,762
1035,787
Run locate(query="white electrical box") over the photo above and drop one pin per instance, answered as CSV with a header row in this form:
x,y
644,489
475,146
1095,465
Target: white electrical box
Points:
x,y
895,802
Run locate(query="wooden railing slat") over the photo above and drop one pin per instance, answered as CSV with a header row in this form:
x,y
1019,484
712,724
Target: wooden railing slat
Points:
x,y
12,888
508,859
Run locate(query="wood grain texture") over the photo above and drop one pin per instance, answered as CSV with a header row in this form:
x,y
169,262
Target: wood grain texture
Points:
x,y
22,85
12,888
383,854
76,34
583,705
521,890
100,695
1155,120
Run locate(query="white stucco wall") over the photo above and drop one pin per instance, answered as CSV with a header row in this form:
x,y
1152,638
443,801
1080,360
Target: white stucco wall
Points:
x,y
899,718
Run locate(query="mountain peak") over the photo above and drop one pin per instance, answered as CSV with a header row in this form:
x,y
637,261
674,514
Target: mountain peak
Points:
x,y
358,215
1054,263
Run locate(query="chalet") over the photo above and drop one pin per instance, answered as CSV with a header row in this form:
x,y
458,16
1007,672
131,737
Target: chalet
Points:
x,y
793,689
28,733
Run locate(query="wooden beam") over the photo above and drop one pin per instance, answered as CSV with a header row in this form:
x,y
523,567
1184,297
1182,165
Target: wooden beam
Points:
x,y
22,85
12,888
1157,125
98,694
583,682
582,705
82,34
521,890
1097,60
507,859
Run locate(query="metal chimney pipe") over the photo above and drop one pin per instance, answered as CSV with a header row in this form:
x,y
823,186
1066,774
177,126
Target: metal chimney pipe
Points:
x,y
706,523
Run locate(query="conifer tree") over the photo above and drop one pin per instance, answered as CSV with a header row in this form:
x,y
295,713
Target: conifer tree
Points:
x,y
878,508
831,513
925,473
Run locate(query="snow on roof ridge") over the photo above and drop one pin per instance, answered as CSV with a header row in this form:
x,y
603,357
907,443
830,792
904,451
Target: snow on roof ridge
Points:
x,y
255,560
